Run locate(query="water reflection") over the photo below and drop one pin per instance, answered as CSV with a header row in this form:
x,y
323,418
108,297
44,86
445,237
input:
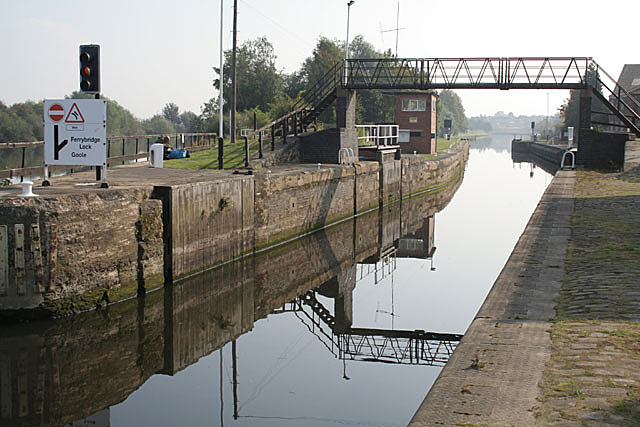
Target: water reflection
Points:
x,y
322,331
521,153
60,372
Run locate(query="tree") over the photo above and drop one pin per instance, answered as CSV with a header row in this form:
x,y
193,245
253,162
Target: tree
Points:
x,y
481,123
257,79
372,106
293,84
171,112
190,121
325,55
157,125
16,128
570,109
450,107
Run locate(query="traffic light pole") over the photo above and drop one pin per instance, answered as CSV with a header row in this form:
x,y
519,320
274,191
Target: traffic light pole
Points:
x,y
104,183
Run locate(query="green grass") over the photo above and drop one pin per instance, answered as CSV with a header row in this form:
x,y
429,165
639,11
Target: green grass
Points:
x,y
208,159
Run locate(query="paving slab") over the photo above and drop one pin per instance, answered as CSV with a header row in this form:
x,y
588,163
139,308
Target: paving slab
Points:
x,y
494,374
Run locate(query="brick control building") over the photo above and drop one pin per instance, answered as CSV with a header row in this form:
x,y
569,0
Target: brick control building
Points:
x,y
416,118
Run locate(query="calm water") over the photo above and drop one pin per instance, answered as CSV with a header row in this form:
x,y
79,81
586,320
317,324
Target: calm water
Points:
x,y
312,334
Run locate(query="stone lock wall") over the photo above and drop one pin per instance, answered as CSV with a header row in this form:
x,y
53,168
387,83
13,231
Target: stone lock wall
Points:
x,y
64,247
74,251
206,223
295,202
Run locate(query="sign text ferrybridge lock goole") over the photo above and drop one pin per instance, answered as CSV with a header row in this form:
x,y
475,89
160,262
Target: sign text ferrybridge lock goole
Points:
x,y
75,132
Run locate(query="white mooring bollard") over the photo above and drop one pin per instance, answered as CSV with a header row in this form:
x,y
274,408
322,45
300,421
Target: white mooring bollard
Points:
x,y
27,187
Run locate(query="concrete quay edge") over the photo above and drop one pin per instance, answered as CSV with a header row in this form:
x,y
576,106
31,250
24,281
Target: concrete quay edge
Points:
x,y
493,376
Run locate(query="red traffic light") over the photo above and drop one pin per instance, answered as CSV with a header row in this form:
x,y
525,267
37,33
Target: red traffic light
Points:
x,y
89,68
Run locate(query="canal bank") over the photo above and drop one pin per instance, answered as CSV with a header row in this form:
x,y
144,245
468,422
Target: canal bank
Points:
x,y
494,373
557,340
76,247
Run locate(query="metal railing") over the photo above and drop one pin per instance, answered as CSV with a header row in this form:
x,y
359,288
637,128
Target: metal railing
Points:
x,y
455,73
468,73
372,345
624,105
377,135
26,159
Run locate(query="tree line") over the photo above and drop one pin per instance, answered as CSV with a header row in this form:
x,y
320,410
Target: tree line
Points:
x,y
263,92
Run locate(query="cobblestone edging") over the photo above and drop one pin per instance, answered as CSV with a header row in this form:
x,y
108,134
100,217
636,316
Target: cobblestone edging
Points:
x,y
493,376
593,377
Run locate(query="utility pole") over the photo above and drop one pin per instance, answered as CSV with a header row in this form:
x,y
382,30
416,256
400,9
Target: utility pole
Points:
x,y
233,71
220,101
546,131
397,27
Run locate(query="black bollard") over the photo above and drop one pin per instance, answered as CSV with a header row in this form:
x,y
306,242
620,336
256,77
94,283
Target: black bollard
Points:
x,y
260,145
220,153
246,152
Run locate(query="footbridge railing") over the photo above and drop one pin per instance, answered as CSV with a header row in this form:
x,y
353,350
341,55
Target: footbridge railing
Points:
x,y
373,345
468,73
502,73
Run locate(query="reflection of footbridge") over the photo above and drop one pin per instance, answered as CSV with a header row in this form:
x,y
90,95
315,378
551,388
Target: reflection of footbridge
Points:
x,y
48,371
372,345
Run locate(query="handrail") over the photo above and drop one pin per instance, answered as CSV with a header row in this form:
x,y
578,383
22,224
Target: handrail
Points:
x,y
115,138
388,134
141,150
452,73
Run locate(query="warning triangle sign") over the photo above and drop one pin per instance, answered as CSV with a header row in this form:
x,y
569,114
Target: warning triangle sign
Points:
x,y
74,116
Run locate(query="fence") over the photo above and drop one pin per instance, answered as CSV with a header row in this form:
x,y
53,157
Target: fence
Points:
x,y
23,159
377,135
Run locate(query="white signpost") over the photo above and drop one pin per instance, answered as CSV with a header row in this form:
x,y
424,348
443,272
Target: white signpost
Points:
x,y
75,134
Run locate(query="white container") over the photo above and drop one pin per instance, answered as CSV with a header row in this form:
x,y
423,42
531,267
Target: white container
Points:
x,y
156,156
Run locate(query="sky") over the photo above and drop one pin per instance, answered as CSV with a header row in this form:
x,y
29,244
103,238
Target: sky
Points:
x,y
157,51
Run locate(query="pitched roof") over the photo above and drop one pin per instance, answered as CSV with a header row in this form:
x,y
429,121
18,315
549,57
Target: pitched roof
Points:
x,y
630,78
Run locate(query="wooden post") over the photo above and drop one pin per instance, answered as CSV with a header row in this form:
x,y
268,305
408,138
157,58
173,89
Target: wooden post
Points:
x,y
273,137
284,131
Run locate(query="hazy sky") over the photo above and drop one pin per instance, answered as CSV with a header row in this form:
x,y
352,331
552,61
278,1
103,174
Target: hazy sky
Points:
x,y
157,51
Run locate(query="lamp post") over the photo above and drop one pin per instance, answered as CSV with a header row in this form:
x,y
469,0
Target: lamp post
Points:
x,y
220,101
346,64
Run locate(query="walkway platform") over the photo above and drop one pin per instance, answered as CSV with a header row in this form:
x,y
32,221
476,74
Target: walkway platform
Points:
x,y
493,376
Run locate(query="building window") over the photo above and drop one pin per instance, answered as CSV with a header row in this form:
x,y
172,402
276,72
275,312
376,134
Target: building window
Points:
x,y
415,133
414,105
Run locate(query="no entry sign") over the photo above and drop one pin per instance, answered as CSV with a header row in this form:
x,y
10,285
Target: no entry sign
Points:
x,y
75,132
56,112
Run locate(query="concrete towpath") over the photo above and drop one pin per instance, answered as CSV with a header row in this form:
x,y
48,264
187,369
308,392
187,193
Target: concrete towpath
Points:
x,y
557,341
494,373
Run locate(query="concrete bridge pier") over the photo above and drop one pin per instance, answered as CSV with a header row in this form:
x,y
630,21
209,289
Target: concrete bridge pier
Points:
x,y
584,114
346,119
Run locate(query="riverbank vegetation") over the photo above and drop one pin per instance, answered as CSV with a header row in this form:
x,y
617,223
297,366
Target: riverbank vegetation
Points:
x,y
264,93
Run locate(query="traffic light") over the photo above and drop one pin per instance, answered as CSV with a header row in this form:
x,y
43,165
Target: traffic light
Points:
x,y
90,68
